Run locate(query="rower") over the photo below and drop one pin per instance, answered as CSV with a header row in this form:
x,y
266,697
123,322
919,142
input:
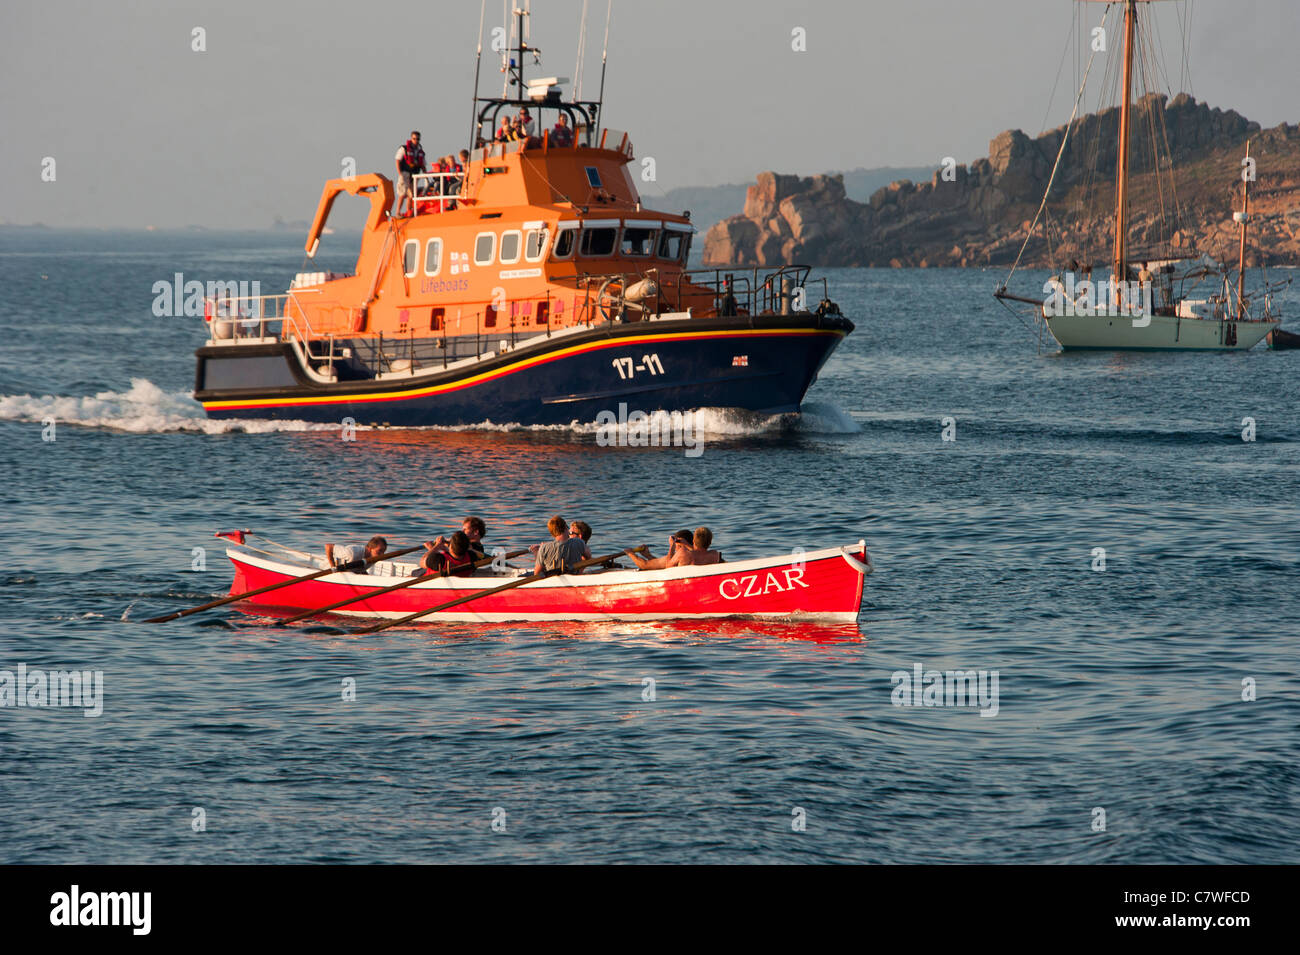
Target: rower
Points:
x,y
457,560
680,551
561,552
475,530
702,540
582,531
340,555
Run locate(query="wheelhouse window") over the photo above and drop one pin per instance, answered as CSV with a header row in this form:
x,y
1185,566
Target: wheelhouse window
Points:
x,y
562,248
638,241
593,177
510,246
410,256
672,245
598,243
535,244
485,247
433,256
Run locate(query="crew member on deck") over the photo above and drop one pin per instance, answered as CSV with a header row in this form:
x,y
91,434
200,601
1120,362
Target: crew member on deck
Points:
x,y
729,305
338,555
561,134
410,160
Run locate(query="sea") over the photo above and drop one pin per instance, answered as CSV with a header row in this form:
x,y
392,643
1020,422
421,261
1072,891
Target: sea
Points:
x,y
1110,541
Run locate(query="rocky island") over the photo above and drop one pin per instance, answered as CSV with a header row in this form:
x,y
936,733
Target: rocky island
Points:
x,y
980,214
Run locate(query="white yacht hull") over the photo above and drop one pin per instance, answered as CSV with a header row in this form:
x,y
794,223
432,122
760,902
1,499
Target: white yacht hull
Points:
x,y
1165,333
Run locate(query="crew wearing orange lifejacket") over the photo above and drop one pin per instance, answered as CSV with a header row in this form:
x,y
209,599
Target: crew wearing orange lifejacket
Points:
x,y
410,160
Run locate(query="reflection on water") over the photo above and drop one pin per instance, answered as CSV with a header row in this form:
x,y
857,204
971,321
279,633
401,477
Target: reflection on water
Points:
x,y
335,629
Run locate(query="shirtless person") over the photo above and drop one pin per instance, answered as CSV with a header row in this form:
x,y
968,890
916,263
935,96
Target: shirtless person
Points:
x,y
703,539
339,555
680,553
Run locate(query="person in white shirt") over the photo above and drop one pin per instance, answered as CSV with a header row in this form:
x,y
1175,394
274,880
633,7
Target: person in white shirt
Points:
x,y
340,555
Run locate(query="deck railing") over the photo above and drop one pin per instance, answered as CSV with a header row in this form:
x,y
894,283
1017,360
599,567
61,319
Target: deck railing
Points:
x,y
756,292
253,319
440,189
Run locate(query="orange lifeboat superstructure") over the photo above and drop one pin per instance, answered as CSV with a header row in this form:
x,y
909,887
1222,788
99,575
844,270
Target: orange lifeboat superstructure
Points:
x,y
532,286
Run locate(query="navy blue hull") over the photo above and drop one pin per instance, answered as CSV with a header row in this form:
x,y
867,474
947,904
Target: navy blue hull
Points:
x,y
764,365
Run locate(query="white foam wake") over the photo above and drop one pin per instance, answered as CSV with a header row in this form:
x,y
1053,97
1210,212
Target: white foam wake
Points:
x,y
146,409
143,409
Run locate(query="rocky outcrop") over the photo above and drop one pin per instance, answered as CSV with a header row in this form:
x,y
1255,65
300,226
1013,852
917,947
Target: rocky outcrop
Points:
x,y
980,214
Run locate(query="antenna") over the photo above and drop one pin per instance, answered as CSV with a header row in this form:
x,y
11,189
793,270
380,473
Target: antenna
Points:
x,y
600,111
473,103
505,53
582,53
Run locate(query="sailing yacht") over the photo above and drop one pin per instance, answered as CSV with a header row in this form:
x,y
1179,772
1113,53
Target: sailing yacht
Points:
x,y
1158,298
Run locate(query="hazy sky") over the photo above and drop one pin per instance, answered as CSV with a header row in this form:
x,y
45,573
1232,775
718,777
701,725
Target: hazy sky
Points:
x,y
146,131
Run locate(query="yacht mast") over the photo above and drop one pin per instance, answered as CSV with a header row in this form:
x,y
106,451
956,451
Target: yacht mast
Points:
x,y
1121,184
1243,218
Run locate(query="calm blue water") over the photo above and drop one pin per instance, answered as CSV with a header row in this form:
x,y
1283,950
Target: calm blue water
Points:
x,y
1119,690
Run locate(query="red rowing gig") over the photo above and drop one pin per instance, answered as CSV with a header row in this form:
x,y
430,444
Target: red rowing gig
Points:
x,y
824,585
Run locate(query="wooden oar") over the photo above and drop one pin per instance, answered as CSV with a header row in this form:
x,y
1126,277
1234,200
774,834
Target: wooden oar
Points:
x,y
385,590
231,598
530,578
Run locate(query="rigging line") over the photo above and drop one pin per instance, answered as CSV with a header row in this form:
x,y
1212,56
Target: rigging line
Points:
x,y
1152,26
1173,180
1152,123
1065,138
582,53
1019,317
1069,44
1185,73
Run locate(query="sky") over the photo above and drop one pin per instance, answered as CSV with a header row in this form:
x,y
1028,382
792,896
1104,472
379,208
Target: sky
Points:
x,y
145,130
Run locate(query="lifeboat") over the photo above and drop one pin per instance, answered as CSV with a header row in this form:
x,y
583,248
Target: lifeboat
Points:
x,y
824,585
530,286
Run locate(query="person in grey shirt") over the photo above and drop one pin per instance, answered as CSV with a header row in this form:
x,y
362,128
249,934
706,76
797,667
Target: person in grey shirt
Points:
x,y
561,552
